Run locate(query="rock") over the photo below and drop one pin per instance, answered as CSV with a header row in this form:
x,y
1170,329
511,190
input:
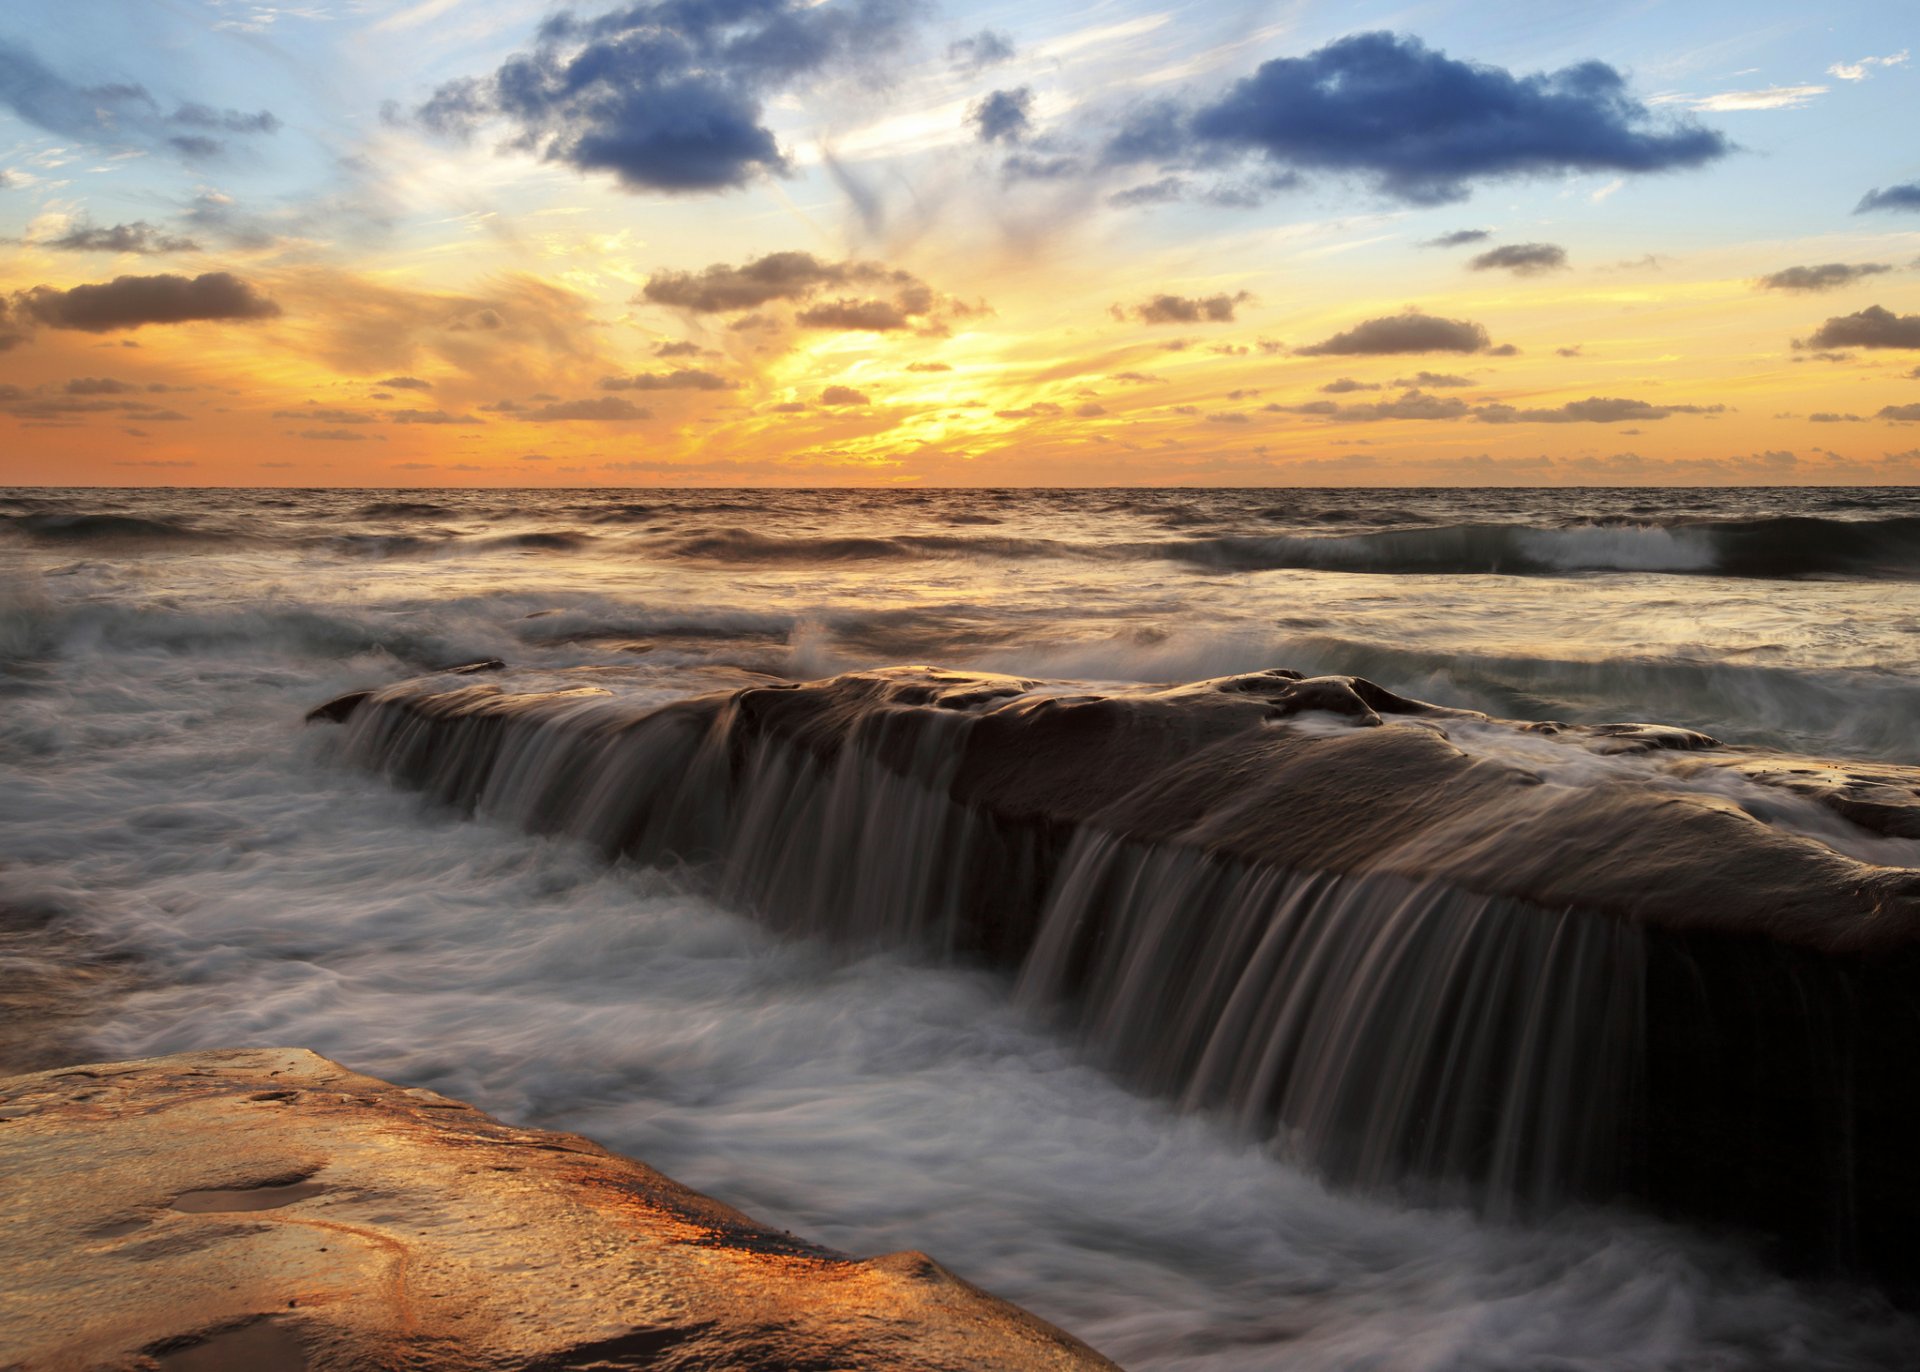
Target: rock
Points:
x,y
269,1210
1760,1005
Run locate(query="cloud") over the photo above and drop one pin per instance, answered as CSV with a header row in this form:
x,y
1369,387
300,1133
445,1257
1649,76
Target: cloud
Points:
x,y
1432,380
98,385
1902,197
406,383
1162,192
1459,238
928,367
1347,383
1825,277
800,277
844,395
1522,259
1903,413
987,48
680,349
1861,70
1003,116
117,115
1417,404
334,436
129,302
1593,410
680,379
430,417
1039,409
668,96
877,316
1873,327
137,237
1179,309
320,415
1412,332
722,289
600,409
1827,417
1411,405
1421,125
1769,98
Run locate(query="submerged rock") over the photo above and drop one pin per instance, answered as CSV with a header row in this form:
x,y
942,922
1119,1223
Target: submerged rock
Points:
x,y
268,1209
1422,949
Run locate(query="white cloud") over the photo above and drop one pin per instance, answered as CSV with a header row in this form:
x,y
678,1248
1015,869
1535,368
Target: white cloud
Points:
x,y
1861,70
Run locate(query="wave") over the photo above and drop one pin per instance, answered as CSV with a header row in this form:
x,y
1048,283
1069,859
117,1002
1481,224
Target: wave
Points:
x,y
748,545
111,528
404,509
1778,547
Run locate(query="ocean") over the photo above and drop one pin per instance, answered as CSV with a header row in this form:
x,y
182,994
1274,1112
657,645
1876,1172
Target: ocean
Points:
x,y
186,863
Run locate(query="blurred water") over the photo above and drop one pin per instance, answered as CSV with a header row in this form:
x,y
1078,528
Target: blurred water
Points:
x,y
160,798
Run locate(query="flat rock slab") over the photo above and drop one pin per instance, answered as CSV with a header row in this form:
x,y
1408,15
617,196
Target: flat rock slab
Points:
x,y
267,1209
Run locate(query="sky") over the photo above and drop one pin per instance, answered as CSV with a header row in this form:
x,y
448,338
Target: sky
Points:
x,y
822,242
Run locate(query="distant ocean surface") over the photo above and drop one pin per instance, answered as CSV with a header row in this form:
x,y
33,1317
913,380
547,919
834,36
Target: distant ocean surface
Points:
x,y
164,814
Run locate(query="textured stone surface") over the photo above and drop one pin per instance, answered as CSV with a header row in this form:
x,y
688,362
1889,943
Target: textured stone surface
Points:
x,y
265,1209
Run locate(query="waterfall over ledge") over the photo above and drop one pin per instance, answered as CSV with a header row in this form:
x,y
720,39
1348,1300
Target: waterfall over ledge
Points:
x,y
1517,966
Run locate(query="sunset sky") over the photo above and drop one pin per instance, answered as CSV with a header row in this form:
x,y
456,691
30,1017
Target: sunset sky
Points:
x,y
485,242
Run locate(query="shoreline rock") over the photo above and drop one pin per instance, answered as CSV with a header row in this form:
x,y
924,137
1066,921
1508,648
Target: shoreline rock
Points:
x,y
268,1209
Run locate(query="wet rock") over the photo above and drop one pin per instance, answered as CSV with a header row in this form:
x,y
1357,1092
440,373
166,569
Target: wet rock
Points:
x,y
268,1209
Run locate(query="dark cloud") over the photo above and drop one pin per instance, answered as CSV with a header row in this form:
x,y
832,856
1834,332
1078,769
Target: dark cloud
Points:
x,y
603,408
1904,197
1873,327
334,436
1138,378
1022,166
1162,192
137,237
319,415
1903,413
987,48
721,289
430,417
129,302
1003,116
98,385
1417,404
681,379
681,349
668,96
1522,259
1431,380
1827,417
928,367
1459,238
1179,309
1412,332
115,114
406,383
1347,383
1413,404
1827,276
1593,410
1228,417
1421,125
878,316
843,395
787,407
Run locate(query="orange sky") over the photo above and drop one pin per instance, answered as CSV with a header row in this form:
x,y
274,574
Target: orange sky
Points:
x,y
415,309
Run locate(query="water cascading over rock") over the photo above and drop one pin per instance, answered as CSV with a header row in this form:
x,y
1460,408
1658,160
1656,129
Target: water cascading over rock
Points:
x,y
1516,965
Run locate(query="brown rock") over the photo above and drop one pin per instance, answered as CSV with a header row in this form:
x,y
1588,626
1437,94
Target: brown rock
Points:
x,y
267,1209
